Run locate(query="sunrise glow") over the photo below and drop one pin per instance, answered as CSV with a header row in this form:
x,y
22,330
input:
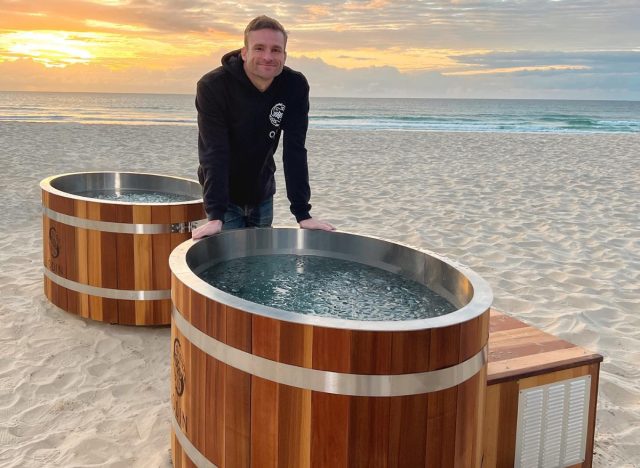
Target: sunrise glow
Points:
x,y
50,48
408,48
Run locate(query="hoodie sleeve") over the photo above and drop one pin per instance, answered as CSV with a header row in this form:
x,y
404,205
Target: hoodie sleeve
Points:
x,y
213,148
294,156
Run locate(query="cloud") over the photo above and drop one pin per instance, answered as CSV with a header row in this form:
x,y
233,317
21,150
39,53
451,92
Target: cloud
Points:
x,y
600,77
602,81
524,24
179,78
442,48
525,58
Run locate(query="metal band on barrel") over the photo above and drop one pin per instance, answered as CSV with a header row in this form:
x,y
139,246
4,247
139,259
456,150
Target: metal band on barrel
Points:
x,y
331,382
108,293
192,452
120,228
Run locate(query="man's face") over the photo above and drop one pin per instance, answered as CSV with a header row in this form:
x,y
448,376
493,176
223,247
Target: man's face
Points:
x,y
264,56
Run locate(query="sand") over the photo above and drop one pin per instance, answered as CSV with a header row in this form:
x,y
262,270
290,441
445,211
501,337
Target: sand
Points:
x,y
550,221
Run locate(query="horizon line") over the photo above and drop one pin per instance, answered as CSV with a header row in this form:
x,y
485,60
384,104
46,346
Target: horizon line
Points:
x,y
331,97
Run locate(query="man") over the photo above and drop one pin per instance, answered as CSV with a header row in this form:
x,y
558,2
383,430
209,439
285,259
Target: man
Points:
x,y
243,106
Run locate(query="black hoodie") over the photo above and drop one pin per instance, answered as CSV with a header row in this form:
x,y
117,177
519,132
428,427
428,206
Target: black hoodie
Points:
x,y
239,130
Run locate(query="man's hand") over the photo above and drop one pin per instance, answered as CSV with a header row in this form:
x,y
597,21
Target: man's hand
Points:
x,y
316,224
208,229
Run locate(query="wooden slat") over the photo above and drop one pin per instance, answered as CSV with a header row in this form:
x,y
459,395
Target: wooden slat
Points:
x,y
94,270
294,427
161,248
501,415
501,321
407,431
60,232
294,404
467,435
473,336
330,413
441,428
408,414
594,371
238,394
142,263
329,430
126,271
176,451
264,394
82,259
179,402
478,452
215,318
537,364
109,265
369,432
369,417
444,350
441,406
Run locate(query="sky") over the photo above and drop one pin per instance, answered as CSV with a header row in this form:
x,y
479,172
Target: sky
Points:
x,y
530,49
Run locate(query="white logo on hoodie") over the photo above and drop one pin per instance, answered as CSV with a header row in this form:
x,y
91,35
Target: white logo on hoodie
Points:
x,y
275,116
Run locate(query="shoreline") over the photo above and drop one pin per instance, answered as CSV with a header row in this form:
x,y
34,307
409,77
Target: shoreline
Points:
x,y
554,132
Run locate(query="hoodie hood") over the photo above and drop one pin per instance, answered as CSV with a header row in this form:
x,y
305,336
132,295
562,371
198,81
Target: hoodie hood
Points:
x,y
232,62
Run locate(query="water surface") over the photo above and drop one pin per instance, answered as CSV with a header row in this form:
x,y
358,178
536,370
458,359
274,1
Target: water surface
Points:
x,y
136,196
325,286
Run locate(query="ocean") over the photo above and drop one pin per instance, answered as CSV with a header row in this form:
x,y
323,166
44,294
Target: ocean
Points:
x,y
457,115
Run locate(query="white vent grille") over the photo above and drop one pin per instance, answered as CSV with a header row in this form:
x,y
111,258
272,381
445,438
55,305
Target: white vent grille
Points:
x,y
552,424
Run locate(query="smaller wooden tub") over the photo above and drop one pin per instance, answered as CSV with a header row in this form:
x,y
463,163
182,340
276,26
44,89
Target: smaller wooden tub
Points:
x,y
107,259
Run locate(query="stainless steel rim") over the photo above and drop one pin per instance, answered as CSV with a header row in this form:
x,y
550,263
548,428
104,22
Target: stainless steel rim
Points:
x,y
428,266
108,293
120,228
83,181
331,382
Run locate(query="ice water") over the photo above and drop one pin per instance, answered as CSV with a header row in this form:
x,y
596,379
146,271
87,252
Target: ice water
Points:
x,y
137,196
325,286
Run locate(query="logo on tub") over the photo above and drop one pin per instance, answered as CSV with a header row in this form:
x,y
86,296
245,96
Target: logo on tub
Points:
x,y
178,368
54,243
275,116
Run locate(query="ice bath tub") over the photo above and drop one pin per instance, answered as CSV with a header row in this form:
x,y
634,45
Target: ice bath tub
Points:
x,y
257,386
107,237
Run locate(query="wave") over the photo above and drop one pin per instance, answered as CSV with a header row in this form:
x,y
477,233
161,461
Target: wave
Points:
x,y
487,123
98,120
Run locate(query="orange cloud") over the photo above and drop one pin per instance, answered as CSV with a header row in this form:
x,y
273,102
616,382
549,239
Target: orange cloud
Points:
x,y
52,49
371,5
318,11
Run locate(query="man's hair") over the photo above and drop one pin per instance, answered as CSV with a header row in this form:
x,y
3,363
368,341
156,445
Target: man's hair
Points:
x,y
263,22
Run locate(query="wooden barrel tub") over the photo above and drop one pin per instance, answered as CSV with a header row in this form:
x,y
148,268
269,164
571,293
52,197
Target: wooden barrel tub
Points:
x,y
106,259
254,386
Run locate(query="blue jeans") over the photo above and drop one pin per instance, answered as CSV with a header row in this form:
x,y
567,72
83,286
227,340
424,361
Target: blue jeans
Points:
x,y
241,216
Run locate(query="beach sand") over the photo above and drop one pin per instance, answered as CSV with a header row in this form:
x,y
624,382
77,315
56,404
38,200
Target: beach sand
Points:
x,y
550,221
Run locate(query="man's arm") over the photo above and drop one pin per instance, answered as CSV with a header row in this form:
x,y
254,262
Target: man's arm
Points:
x,y
213,155
294,152
294,158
